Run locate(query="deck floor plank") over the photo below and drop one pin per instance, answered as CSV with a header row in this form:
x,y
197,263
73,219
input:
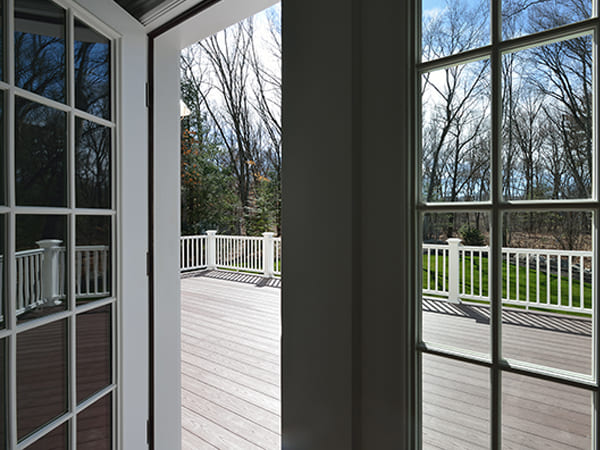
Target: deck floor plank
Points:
x,y
231,375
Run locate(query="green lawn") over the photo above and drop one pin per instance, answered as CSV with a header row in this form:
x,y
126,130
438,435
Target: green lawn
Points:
x,y
523,274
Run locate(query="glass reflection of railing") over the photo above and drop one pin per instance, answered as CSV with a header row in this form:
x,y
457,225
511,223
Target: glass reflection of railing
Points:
x,y
41,274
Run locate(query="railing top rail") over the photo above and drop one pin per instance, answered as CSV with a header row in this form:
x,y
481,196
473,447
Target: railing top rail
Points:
x,y
92,247
475,248
33,251
240,238
195,236
435,246
544,251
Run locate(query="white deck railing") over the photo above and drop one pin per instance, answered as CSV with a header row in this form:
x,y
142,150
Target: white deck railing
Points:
x,y
40,273
242,253
538,278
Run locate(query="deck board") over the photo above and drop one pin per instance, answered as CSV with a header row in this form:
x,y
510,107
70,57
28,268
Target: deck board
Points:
x,y
231,374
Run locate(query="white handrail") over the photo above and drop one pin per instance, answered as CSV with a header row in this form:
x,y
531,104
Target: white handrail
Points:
x,y
253,254
532,278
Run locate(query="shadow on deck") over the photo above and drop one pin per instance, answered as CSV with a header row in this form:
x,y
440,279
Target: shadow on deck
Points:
x,y
231,374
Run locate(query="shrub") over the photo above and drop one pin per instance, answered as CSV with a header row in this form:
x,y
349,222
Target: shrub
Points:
x,y
471,235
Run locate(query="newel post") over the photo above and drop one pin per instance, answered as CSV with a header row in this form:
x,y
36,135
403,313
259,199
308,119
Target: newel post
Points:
x,y
268,261
211,249
50,268
453,269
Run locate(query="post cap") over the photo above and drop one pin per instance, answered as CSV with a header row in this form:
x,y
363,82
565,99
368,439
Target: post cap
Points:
x,y
454,241
211,232
268,234
49,243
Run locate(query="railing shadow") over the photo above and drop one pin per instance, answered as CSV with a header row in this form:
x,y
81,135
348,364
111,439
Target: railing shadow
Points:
x,y
240,277
560,323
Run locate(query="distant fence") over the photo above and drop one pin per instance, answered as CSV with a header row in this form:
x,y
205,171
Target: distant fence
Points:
x,y
531,278
241,253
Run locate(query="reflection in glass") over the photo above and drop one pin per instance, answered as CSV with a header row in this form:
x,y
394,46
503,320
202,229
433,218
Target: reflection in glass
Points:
x,y
456,404
3,266
2,146
92,71
546,278
92,164
455,300
547,121
41,376
2,41
57,439
521,17
453,26
41,265
456,133
93,352
539,414
94,426
40,48
3,392
92,258
40,155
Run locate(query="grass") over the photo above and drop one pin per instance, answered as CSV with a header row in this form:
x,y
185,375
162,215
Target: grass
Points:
x,y
523,274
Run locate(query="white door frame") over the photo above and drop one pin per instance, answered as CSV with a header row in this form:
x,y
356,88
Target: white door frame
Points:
x,y
166,187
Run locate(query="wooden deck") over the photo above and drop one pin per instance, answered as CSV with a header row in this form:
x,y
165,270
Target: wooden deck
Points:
x,y
230,362
230,372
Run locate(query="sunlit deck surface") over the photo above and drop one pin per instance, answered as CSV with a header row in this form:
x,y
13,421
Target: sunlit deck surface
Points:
x,y
230,371
230,361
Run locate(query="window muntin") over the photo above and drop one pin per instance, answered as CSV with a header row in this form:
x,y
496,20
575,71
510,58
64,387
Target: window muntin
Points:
x,y
506,362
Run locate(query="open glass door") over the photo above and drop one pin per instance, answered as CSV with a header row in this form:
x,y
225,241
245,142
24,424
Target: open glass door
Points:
x,y
58,221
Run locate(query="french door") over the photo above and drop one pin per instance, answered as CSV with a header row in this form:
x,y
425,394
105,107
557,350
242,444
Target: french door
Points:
x,y
58,228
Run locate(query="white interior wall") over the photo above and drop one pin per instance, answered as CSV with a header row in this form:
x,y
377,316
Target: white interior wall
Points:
x,y
133,212
346,190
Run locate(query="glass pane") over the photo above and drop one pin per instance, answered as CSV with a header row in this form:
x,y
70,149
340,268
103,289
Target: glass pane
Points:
x,y
547,121
41,376
541,415
93,352
41,265
57,439
456,404
521,17
40,155
547,289
92,71
92,258
93,164
456,133
3,177
2,271
40,48
4,392
94,426
455,300
1,40
453,26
